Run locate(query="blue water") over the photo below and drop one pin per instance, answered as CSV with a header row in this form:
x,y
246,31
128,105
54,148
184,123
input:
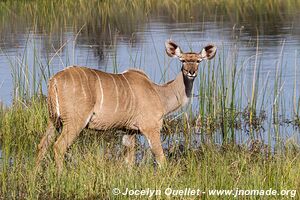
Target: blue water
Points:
x,y
145,50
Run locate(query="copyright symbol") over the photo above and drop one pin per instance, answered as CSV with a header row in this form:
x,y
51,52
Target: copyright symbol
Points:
x,y
116,191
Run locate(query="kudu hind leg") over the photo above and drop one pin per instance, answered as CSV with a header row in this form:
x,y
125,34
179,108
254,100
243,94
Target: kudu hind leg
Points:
x,y
67,137
45,142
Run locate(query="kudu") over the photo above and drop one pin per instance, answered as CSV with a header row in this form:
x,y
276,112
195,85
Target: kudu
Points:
x,y
80,97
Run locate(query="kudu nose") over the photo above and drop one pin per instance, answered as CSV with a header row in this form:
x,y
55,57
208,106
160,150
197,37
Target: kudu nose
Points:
x,y
192,72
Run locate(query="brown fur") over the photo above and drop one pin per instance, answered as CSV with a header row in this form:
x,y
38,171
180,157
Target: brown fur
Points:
x,y
79,97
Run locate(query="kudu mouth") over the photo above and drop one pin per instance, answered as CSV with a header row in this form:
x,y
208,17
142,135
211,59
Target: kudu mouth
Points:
x,y
191,75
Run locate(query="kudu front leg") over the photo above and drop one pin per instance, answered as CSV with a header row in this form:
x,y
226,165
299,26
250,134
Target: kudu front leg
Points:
x,y
153,137
129,142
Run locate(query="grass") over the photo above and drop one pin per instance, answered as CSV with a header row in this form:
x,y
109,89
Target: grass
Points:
x,y
217,159
94,164
91,170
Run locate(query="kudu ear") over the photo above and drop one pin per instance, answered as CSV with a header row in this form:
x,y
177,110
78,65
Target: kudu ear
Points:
x,y
172,49
208,52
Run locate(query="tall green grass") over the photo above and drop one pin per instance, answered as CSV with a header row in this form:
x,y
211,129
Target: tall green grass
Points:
x,y
94,164
104,17
223,107
92,173
218,162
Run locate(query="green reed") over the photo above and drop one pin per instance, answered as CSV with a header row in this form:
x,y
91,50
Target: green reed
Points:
x,y
104,17
94,164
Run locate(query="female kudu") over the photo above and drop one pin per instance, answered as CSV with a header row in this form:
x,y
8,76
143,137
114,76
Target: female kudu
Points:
x,y
80,97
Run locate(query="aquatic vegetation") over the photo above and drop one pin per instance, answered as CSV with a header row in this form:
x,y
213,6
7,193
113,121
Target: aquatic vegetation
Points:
x,y
104,17
228,140
91,170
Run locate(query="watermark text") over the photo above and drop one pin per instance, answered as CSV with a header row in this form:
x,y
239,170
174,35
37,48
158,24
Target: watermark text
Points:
x,y
150,192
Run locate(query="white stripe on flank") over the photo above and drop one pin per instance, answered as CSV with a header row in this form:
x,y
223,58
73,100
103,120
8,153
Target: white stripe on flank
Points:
x,y
101,89
123,89
87,80
116,87
74,88
130,90
81,83
121,81
56,98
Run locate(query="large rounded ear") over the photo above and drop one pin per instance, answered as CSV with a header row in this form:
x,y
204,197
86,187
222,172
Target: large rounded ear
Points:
x,y
172,49
208,52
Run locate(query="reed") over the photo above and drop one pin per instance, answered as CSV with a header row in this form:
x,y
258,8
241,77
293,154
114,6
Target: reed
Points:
x,y
91,170
218,146
104,17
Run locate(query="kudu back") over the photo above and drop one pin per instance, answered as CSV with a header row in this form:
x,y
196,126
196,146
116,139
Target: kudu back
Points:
x,y
80,97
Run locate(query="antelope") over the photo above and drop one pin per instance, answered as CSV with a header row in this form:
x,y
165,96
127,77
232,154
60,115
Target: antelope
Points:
x,y
80,97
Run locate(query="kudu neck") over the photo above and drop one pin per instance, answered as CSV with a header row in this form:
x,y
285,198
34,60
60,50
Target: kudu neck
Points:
x,y
175,93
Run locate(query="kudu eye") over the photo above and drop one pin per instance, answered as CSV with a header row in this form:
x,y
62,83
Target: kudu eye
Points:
x,y
183,61
198,61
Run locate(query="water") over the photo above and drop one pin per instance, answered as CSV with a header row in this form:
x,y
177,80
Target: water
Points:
x,y
145,50
266,44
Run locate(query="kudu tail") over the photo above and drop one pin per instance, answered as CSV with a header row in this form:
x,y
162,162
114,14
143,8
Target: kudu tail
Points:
x,y
54,122
53,104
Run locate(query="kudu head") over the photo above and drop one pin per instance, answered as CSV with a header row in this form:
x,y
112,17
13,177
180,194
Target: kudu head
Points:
x,y
190,61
